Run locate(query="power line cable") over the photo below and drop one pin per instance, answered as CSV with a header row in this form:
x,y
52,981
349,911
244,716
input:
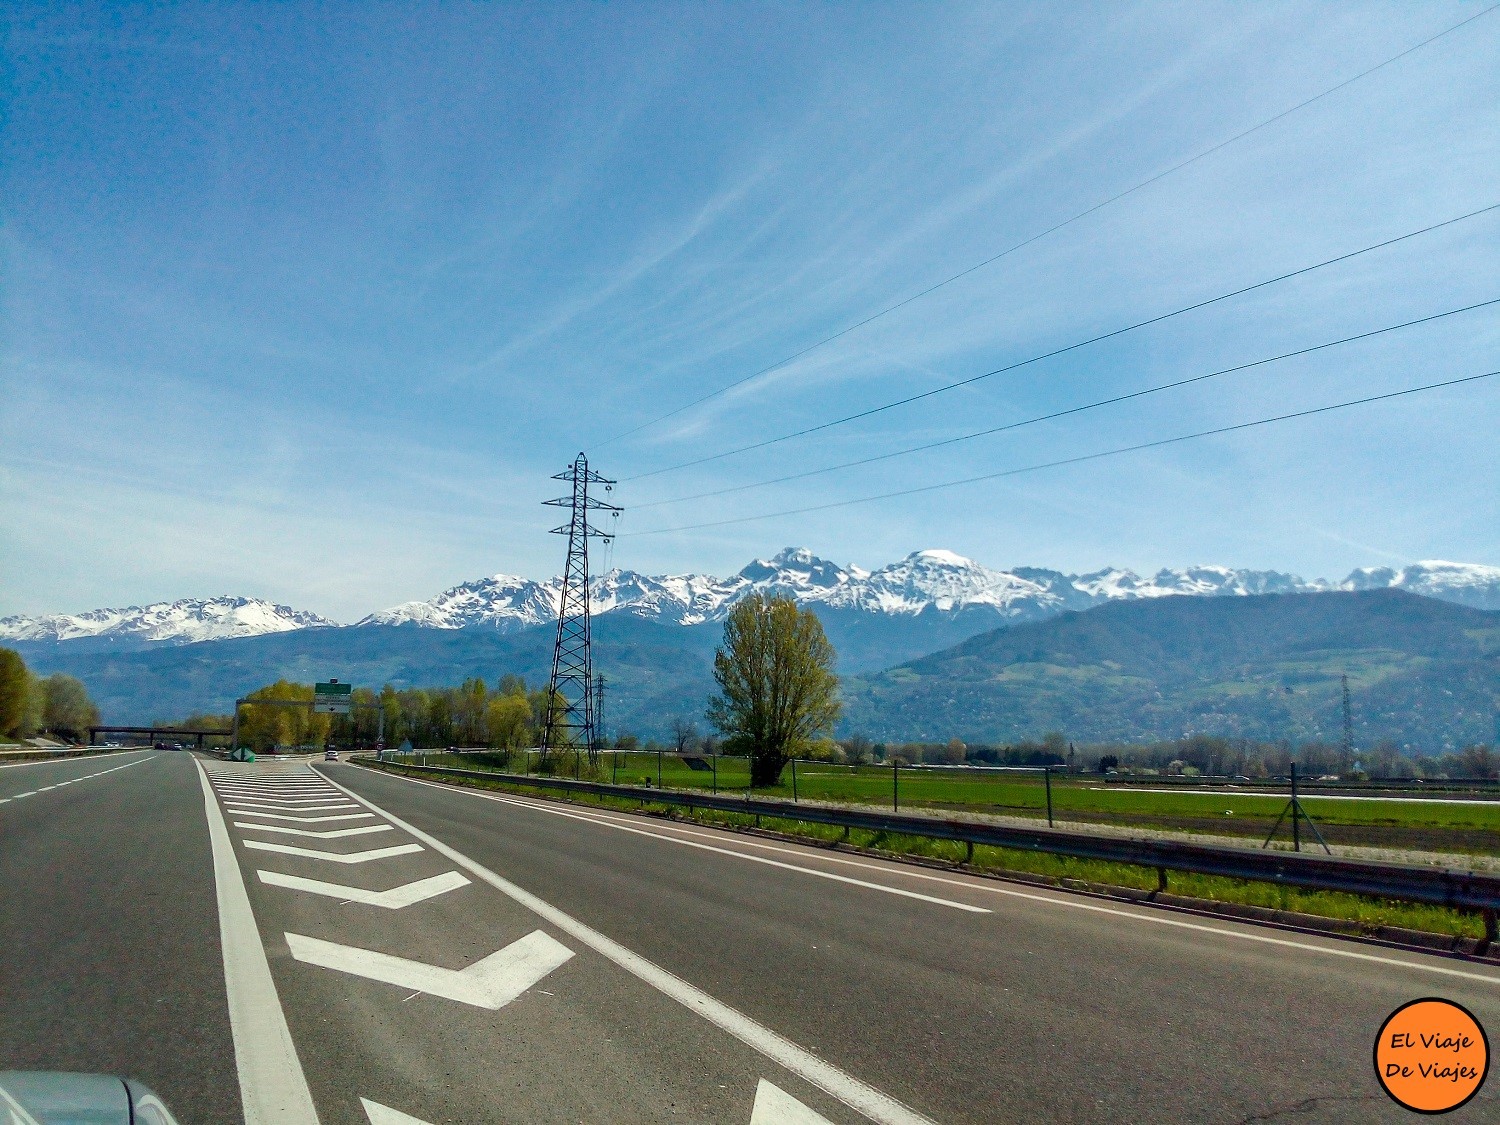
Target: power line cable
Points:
x,y
1072,460
1043,234
1063,350
1070,410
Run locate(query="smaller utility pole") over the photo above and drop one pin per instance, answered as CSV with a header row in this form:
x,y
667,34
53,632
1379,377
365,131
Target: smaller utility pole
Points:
x,y
599,740
1348,725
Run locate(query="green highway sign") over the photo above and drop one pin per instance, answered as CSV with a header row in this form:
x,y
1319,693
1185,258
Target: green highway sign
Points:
x,y
332,698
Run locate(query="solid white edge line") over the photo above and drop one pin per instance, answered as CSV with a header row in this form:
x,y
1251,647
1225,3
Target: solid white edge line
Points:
x,y
858,1096
991,887
273,1089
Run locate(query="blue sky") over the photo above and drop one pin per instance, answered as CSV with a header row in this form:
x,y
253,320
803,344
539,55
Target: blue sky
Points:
x,y
308,302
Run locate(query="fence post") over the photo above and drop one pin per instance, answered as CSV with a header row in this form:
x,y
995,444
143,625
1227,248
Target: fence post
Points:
x,y
577,765
1047,775
716,773
658,767
895,786
614,773
794,780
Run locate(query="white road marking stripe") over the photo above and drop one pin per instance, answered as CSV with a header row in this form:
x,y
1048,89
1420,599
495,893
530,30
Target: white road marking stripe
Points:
x,y
898,891
490,983
54,761
336,834
334,857
859,1096
989,887
60,784
305,819
385,1115
394,899
272,799
774,1106
241,803
273,1089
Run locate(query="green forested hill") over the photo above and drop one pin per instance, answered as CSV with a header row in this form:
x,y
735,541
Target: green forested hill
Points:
x,y
1421,672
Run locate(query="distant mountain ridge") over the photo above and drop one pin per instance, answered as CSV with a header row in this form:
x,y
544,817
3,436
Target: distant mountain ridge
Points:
x,y
180,622
930,598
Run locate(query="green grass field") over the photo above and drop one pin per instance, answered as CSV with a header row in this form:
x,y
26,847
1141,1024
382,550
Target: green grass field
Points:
x,y
1460,827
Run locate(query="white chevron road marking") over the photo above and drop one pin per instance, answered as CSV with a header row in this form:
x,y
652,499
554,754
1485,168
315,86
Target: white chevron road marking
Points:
x,y
385,1115
491,983
393,899
336,834
334,857
305,819
774,1106
235,805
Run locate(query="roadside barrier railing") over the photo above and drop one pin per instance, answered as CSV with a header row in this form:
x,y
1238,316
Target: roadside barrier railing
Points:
x,y
1433,886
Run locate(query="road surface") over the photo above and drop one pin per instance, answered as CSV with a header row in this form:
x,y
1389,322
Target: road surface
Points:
x,y
298,942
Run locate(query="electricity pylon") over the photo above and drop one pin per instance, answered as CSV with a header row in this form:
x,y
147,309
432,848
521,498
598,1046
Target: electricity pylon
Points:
x,y
569,722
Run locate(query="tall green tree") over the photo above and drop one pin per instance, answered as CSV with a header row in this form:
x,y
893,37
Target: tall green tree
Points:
x,y
15,692
68,710
777,688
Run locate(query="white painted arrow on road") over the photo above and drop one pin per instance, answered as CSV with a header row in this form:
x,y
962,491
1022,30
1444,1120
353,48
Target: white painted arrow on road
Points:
x,y
335,857
337,833
393,899
385,1115
774,1106
491,983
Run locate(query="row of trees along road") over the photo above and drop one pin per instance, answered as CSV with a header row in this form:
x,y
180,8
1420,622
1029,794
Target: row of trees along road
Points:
x,y
471,715
778,697
30,704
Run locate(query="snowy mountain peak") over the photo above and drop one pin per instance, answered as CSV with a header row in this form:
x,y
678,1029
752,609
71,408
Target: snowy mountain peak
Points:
x,y
180,622
924,582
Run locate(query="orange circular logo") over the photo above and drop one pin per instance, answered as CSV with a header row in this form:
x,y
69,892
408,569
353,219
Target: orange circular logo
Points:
x,y
1431,1055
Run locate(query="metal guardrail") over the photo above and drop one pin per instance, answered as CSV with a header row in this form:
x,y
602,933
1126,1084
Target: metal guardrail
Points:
x,y
1459,890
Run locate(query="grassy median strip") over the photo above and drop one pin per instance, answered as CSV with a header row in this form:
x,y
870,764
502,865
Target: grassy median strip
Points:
x,y
1367,913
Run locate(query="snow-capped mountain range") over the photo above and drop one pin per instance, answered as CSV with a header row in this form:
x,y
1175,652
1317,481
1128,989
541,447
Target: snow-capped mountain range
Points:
x,y
931,581
181,622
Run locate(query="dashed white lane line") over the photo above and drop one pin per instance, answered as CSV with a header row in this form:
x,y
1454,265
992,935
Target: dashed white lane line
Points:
x,y
492,982
334,857
994,888
859,1096
75,758
884,888
394,899
60,784
273,1089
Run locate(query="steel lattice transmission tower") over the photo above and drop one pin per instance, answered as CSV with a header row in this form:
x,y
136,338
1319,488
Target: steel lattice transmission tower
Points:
x,y
569,720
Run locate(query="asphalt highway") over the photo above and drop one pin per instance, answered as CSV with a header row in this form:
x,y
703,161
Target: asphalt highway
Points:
x,y
296,943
